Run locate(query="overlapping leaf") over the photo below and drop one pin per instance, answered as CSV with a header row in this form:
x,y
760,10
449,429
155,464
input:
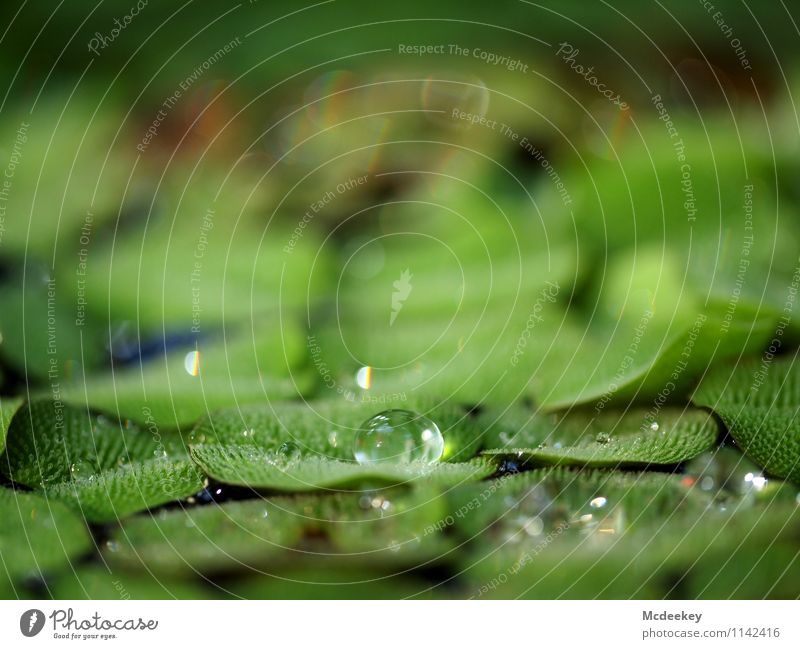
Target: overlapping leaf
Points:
x,y
105,469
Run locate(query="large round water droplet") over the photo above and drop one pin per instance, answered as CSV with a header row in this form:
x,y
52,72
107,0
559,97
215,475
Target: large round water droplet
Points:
x,y
398,436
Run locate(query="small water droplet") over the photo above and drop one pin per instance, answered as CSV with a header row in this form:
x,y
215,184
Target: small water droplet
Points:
x,y
598,502
603,438
398,436
248,433
112,546
82,470
654,426
365,502
197,437
333,439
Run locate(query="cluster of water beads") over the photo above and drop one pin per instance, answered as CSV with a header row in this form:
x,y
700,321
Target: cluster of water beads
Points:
x,y
398,436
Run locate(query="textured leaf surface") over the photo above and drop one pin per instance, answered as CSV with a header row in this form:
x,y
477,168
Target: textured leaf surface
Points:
x,y
760,405
254,467
633,439
38,534
301,447
103,468
205,539
8,407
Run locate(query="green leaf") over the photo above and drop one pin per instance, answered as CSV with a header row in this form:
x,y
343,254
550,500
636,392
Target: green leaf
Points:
x,y
562,533
8,407
759,402
245,534
38,534
637,438
105,469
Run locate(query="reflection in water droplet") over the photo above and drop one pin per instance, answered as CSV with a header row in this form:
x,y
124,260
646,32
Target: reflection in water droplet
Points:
x,y
112,546
598,502
289,450
82,470
603,438
398,436
197,437
364,378
191,363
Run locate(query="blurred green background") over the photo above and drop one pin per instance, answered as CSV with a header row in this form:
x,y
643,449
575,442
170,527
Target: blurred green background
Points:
x,y
214,206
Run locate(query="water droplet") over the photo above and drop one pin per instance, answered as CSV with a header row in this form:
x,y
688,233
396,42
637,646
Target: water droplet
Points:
x,y
248,433
289,450
365,502
82,470
603,438
399,436
191,363
598,502
654,426
508,467
112,546
333,439
797,498
364,378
